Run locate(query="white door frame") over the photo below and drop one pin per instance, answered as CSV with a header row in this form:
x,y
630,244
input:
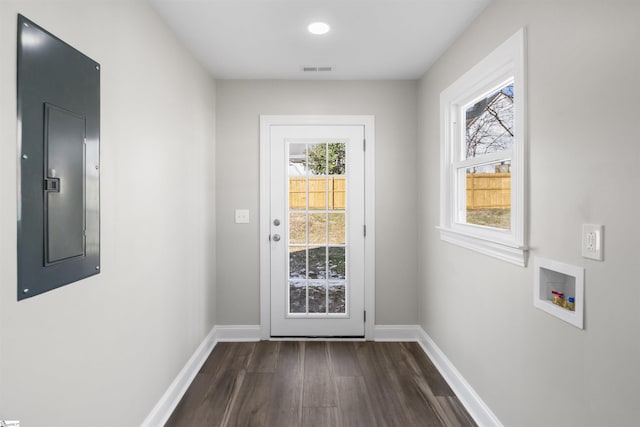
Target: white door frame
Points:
x,y
265,227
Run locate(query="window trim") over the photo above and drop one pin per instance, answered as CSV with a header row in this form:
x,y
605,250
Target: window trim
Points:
x,y
506,62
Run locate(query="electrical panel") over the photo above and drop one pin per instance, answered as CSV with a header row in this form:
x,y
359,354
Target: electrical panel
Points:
x,y
59,169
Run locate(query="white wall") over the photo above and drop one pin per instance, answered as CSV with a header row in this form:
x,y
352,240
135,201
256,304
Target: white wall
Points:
x,y
584,84
239,105
101,352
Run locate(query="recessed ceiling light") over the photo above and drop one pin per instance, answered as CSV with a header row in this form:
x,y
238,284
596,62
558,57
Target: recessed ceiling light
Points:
x,y
318,28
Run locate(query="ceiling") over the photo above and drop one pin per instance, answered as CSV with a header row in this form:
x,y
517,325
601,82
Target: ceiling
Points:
x,y
268,39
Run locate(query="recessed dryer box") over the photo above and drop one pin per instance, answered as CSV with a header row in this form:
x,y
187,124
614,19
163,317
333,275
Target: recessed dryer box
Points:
x,y
549,276
59,191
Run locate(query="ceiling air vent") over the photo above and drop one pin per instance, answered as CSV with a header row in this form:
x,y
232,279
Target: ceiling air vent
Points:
x,y
315,69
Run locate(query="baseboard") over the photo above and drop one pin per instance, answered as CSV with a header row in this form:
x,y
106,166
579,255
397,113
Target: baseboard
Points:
x,y
238,333
397,332
170,399
476,407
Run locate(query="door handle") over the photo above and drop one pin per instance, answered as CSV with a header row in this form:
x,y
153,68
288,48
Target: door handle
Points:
x,y
276,237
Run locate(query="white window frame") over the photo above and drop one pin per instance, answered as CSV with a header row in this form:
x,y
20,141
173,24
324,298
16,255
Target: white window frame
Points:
x,y
506,63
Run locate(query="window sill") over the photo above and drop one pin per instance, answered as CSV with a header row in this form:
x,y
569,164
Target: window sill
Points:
x,y
507,252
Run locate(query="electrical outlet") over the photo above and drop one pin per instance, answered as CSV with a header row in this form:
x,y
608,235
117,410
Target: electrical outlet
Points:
x,y
592,241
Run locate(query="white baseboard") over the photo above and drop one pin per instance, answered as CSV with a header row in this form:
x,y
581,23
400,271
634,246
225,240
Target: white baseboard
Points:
x,y
397,332
476,407
238,333
170,399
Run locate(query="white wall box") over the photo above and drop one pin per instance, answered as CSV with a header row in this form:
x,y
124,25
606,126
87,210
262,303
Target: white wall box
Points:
x,y
554,276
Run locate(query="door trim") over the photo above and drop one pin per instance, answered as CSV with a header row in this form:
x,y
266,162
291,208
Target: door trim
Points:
x,y
266,121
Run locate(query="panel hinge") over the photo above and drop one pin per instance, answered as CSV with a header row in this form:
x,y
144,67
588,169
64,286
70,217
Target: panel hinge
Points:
x,y
364,145
364,230
365,316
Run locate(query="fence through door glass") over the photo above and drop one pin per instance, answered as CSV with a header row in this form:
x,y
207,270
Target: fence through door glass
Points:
x,y
317,238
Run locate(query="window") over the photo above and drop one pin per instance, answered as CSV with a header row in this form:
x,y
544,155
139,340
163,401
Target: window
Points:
x,y
482,204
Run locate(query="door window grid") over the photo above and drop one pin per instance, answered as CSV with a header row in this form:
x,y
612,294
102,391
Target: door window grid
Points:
x,y
319,290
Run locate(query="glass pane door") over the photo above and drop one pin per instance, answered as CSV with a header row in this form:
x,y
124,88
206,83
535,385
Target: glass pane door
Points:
x,y
316,218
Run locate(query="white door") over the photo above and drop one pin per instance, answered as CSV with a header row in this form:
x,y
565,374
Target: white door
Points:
x,y
317,241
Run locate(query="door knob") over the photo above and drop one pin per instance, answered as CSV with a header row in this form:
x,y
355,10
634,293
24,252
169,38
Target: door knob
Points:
x,y
276,237
276,222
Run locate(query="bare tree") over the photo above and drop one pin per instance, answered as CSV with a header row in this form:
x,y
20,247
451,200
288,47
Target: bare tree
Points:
x,y
489,124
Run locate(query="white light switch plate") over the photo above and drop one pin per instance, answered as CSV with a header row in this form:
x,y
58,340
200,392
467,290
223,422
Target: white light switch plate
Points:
x,y
242,216
592,241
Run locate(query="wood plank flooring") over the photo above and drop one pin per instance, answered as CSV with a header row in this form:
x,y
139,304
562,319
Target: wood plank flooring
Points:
x,y
319,383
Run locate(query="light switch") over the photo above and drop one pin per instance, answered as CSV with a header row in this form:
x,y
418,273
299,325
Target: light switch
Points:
x,y
242,216
592,241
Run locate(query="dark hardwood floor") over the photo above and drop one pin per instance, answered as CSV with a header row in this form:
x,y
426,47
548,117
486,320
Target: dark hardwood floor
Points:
x,y
317,383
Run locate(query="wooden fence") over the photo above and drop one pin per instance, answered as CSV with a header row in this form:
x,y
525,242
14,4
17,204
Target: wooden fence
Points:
x,y
488,190
484,190
319,189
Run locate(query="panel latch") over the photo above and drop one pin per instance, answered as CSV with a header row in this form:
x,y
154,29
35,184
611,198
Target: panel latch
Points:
x,y
52,185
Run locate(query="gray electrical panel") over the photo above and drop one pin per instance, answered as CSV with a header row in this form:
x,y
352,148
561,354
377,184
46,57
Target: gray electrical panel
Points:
x,y
59,188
